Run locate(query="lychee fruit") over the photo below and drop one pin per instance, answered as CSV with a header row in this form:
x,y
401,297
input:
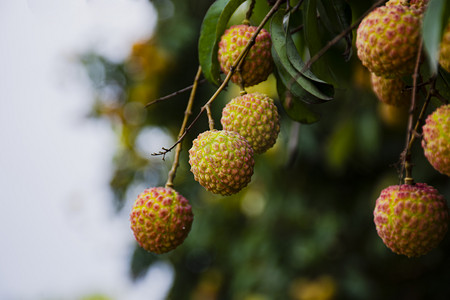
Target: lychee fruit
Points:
x,y
390,90
255,117
221,161
444,55
388,38
411,219
161,219
436,139
417,3
257,65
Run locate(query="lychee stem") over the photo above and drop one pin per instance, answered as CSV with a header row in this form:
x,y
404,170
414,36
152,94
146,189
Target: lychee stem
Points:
x,y
187,113
210,118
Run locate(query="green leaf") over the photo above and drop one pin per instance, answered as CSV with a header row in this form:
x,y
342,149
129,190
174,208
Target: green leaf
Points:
x,y
434,22
304,86
336,15
314,41
213,26
294,107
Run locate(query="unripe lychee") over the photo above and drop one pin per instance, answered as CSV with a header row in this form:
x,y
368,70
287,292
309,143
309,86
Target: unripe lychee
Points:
x,y
258,63
436,139
388,40
221,161
255,117
444,55
390,90
161,219
411,219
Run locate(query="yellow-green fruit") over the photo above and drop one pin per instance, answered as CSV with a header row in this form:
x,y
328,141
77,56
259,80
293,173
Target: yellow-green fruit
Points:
x,y
221,161
390,90
255,117
444,55
411,219
161,219
387,40
258,63
422,4
436,139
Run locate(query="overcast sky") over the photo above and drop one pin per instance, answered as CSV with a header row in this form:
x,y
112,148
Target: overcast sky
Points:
x,y
60,237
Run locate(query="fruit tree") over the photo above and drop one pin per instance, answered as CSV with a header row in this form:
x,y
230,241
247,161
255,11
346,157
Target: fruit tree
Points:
x,y
306,151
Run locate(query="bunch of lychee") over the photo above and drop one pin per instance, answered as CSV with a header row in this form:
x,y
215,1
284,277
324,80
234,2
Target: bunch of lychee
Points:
x,y
387,42
411,219
222,161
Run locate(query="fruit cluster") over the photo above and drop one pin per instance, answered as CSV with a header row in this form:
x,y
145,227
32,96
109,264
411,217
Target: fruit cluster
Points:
x,y
411,218
222,161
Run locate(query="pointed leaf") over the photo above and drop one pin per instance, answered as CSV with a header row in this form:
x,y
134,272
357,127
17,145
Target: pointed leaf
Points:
x,y
305,88
336,15
213,26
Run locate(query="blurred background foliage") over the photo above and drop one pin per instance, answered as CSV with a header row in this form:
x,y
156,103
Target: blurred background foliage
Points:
x,y
303,228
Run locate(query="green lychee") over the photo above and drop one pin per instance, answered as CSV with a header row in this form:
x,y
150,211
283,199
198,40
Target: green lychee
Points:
x,y
444,55
255,117
388,40
257,65
436,139
391,90
161,219
411,219
221,161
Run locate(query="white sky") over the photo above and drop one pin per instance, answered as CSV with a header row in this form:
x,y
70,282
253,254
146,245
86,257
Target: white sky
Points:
x,y
59,235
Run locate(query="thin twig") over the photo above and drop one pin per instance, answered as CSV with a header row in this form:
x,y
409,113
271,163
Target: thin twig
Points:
x,y
406,157
210,118
187,113
173,94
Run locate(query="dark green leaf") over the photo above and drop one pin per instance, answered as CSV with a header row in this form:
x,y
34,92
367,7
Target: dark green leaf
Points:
x,y
434,22
314,41
213,26
295,109
336,15
308,88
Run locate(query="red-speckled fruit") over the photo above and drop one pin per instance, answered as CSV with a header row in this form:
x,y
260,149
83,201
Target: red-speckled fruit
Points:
x,y
391,90
436,139
161,219
444,55
258,63
221,161
411,219
255,117
387,40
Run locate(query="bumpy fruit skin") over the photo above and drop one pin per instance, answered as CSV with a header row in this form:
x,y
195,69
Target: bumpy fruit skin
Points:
x,y
258,63
390,90
161,219
421,4
388,40
444,55
255,117
436,139
221,161
411,219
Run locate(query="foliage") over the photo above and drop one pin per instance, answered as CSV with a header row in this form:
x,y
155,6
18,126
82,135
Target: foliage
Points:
x,y
304,226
